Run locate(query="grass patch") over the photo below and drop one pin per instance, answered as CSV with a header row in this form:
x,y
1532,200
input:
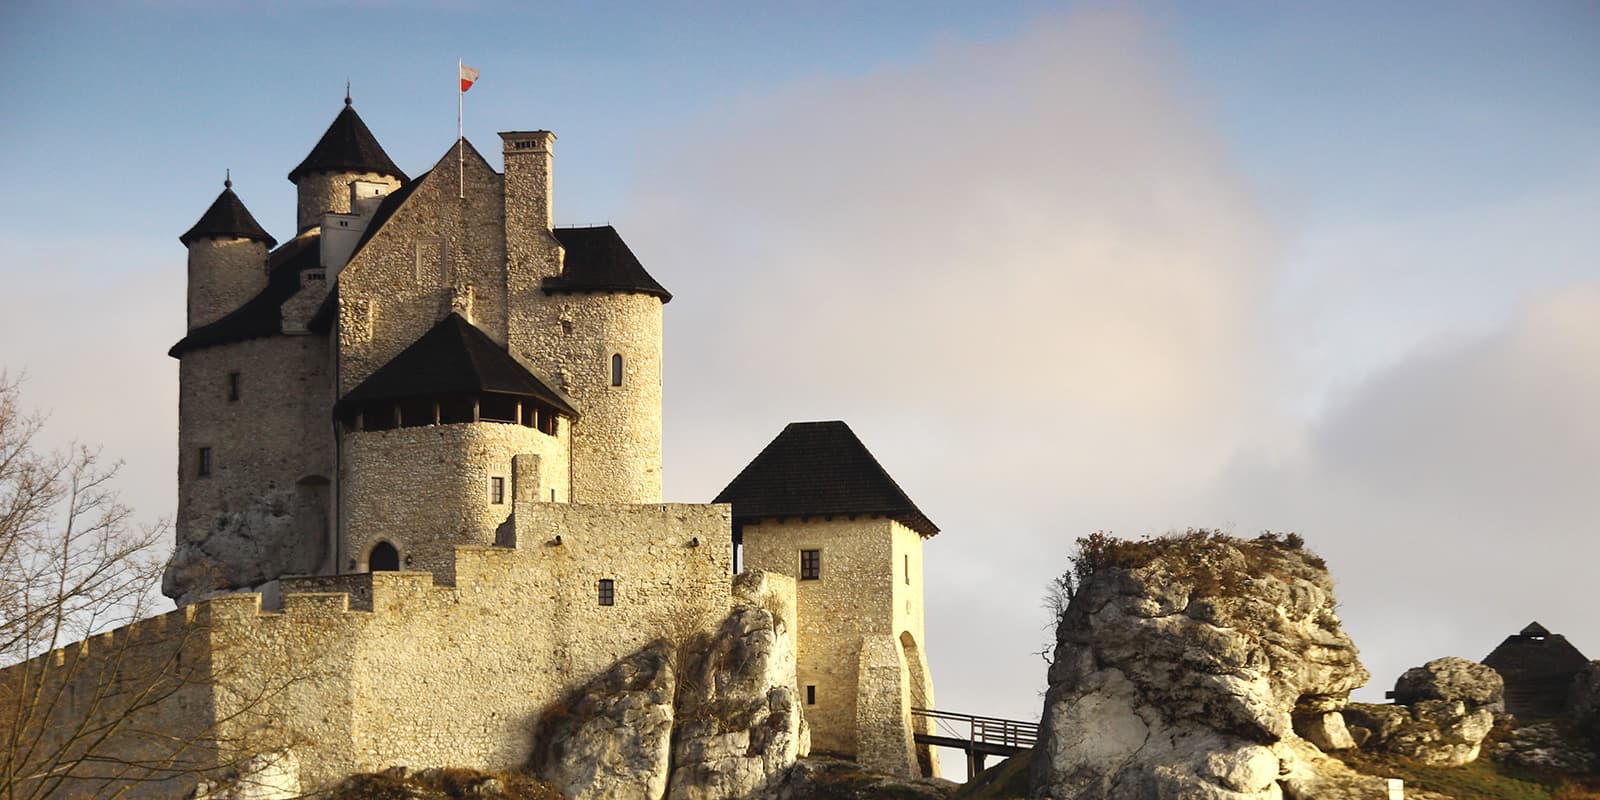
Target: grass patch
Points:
x,y
1484,779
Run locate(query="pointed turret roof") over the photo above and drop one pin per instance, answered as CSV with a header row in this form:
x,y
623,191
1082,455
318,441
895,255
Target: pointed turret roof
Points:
x,y
599,261
454,357
1535,629
347,145
819,469
227,217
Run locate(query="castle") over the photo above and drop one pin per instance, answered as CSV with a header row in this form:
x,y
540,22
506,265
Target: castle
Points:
x,y
420,448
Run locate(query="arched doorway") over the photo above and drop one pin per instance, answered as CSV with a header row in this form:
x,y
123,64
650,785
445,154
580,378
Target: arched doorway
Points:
x,y
921,697
383,558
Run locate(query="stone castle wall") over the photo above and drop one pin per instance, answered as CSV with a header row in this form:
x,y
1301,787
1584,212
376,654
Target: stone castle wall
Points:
x,y
362,672
322,192
616,445
223,274
270,454
427,489
861,629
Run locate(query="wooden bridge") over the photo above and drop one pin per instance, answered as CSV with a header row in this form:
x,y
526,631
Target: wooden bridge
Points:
x,y
978,737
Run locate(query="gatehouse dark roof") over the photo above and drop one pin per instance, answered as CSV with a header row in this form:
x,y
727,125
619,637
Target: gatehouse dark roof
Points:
x,y
262,315
1538,667
227,217
454,357
819,469
599,261
347,146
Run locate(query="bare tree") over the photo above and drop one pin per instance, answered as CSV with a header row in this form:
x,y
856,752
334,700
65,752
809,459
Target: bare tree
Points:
x,y
96,698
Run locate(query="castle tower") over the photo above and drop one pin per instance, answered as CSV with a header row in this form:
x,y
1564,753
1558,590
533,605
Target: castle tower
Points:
x,y
815,505
347,152
585,312
227,258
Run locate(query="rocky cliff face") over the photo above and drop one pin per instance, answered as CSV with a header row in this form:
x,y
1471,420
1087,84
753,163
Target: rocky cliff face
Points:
x,y
1183,668
708,717
1442,711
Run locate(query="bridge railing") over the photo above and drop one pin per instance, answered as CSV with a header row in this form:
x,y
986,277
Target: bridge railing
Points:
x,y
986,730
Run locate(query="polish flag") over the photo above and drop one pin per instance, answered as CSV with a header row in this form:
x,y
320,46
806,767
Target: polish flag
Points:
x,y
469,76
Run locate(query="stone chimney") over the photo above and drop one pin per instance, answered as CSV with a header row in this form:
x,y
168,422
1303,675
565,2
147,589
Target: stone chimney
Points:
x,y
528,157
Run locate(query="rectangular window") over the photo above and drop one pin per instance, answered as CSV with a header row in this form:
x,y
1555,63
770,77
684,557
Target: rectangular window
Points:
x,y
497,490
811,695
608,592
810,565
203,466
233,387
908,569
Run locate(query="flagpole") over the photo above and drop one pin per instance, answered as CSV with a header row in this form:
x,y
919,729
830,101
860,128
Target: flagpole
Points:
x,y
461,178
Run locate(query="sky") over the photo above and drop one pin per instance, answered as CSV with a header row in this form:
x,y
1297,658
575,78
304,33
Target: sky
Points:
x,y
1317,267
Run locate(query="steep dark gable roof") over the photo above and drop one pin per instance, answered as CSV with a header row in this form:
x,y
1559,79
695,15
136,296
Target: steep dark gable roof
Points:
x,y
454,357
347,145
599,261
819,469
227,217
261,315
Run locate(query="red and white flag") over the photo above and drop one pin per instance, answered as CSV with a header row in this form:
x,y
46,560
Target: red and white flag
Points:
x,y
469,76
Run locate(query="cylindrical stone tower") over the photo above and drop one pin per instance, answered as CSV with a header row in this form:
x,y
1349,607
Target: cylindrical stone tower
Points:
x,y
614,374
227,259
346,153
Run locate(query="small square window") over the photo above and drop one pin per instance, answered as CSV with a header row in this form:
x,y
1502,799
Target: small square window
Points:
x,y
233,387
203,466
811,695
810,565
497,490
608,592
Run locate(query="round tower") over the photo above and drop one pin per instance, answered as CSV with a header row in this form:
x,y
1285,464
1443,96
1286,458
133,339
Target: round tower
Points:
x,y
227,259
603,345
347,152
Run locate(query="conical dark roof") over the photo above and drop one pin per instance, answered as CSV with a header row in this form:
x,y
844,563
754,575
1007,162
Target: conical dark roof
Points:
x,y
819,469
454,357
599,261
227,217
1535,629
347,146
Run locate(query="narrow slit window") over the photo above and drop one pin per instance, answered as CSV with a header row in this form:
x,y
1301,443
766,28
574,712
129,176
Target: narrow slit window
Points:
x,y
616,369
810,565
233,387
497,490
908,569
203,466
608,592
811,695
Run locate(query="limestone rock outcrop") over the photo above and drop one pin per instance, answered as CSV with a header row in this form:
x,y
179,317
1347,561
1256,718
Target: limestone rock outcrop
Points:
x,y
698,716
613,739
1442,712
835,779
738,714
1583,703
1180,666
247,548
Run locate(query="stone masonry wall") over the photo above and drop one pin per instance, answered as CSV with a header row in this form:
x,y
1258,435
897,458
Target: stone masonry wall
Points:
x,y
616,445
321,192
271,452
427,489
393,668
435,251
223,274
860,633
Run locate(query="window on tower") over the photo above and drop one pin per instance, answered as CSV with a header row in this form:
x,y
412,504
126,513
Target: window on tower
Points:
x,y
203,466
616,369
497,490
608,592
810,565
233,387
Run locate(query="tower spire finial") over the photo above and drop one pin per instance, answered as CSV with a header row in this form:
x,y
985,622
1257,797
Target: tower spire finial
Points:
x,y
227,179
347,91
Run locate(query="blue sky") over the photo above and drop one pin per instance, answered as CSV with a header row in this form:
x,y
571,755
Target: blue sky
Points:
x,y
1328,267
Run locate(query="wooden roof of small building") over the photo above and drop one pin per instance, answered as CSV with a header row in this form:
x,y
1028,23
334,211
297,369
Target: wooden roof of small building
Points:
x,y
818,469
1538,667
455,358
